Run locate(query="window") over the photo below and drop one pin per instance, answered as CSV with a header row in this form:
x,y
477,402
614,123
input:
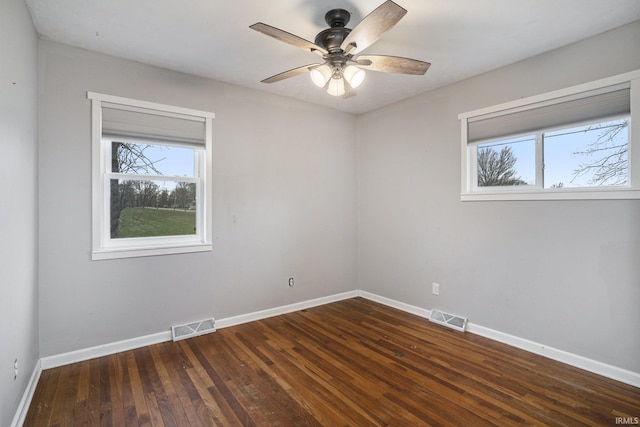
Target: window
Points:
x,y
576,143
151,176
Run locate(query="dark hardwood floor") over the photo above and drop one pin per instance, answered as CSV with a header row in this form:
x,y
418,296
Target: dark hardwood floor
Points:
x,y
349,363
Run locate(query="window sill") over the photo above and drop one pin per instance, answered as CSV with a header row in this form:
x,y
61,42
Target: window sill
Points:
x,y
133,252
559,194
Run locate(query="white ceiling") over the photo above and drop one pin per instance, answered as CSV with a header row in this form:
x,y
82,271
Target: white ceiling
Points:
x,y
211,38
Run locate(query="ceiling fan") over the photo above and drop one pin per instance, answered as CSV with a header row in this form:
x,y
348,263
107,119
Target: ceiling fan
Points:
x,y
341,72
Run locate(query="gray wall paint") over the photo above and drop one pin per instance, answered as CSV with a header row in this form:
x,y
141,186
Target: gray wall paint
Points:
x,y
284,198
565,274
285,205
18,204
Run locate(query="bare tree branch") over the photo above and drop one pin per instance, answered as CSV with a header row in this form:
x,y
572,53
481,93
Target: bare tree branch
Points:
x,y
607,169
131,158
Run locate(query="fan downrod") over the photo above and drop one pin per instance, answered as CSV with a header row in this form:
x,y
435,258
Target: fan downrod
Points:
x,y
337,18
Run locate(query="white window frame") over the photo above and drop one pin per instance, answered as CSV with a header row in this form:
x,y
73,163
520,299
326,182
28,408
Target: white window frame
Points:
x,y
103,246
471,192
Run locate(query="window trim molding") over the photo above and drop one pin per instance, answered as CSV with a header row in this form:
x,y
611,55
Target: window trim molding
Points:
x,y
102,251
598,193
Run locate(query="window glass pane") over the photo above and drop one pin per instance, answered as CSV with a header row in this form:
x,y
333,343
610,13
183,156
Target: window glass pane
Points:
x,y
150,159
507,162
152,208
587,156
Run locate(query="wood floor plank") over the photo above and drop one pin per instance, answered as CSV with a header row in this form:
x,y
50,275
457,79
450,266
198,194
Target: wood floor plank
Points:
x,y
349,363
206,405
173,414
79,413
155,415
348,381
165,358
328,407
214,407
277,397
226,407
43,406
105,408
61,393
296,389
219,377
93,395
69,401
128,401
143,417
305,372
115,380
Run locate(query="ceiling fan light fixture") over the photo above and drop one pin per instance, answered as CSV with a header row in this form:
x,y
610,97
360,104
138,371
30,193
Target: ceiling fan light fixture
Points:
x,y
320,75
336,87
354,75
343,71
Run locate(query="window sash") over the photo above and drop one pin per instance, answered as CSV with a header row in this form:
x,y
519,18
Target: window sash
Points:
x,y
632,191
103,247
109,242
539,159
539,167
145,242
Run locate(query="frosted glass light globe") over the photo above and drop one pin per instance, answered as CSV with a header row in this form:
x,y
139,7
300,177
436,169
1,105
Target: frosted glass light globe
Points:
x,y
320,75
354,75
336,87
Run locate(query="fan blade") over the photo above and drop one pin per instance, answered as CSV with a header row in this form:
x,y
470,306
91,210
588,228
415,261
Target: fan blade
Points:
x,y
392,64
289,38
289,73
374,25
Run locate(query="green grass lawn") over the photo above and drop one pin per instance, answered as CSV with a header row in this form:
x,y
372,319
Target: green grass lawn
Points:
x,y
148,222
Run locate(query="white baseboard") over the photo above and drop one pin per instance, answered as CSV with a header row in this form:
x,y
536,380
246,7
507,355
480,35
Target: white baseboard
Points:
x,y
407,308
590,365
25,402
264,314
618,374
133,343
103,350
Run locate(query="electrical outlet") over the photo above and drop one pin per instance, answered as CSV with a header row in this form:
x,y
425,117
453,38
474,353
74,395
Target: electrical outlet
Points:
x,y
291,282
435,288
15,369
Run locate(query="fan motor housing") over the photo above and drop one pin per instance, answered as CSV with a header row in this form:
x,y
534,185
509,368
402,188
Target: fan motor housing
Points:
x,y
332,38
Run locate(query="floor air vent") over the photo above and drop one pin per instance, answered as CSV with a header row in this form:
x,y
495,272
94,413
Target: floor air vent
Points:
x,y
455,322
193,329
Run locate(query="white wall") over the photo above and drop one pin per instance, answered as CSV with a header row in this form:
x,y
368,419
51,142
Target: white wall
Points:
x,y
18,204
563,273
284,198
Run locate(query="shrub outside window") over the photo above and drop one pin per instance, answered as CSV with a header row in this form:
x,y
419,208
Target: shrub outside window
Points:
x,y
151,172
576,143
